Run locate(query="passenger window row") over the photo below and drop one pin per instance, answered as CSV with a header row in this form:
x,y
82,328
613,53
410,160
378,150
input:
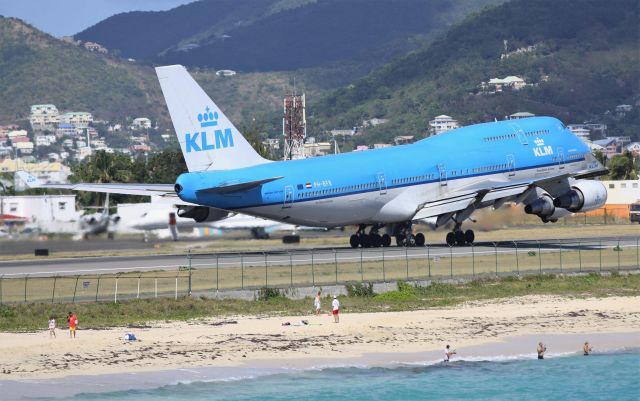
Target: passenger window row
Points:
x,y
536,133
413,179
499,137
330,191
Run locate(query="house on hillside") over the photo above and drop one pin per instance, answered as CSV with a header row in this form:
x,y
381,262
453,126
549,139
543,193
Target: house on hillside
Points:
x,y
442,123
225,73
495,85
519,115
403,140
141,123
95,47
634,148
43,117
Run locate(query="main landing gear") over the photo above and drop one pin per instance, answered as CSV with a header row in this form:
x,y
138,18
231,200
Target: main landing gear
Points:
x,y
402,232
459,237
371,240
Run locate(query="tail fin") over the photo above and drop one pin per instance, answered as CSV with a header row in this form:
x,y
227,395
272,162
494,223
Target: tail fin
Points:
x,y
209,141
29,180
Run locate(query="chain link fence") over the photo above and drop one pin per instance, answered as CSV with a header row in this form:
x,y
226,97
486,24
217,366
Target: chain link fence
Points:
x,y
206,275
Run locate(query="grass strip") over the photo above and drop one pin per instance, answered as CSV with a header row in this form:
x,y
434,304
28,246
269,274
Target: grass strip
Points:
x,y
271,302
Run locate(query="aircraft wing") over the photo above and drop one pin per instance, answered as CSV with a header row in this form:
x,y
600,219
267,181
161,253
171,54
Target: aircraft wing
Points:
x,y
162,190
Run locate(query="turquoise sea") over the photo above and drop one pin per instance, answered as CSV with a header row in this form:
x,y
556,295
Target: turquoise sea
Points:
x,y
613,376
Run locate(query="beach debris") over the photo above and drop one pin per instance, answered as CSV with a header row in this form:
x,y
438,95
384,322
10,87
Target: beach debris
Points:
x,y
223,322
130,337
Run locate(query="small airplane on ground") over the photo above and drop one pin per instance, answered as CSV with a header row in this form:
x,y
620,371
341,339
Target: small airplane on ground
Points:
x,y
535,161
100,222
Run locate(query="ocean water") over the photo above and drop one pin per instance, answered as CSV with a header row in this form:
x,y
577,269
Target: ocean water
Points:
x,y
614,376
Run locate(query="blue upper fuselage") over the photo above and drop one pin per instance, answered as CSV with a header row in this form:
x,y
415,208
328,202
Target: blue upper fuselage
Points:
x,y
470,151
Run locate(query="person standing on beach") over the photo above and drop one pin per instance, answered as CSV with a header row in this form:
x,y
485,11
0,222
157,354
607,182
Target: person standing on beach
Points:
x,y
336,309
448,353
541,350
586,348
52,327
316,303
73,324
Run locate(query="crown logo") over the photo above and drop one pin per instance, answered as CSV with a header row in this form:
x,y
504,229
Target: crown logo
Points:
x,y
539,142
208,118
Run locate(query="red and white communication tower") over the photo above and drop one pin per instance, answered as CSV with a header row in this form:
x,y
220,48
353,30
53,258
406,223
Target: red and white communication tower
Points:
x,y
294,127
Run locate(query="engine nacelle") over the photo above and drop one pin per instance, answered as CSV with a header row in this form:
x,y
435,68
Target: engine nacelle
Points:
x,y
585,195
543,206
202,213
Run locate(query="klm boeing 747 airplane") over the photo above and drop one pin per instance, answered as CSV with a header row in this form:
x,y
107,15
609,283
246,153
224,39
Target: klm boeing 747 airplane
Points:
x,y
534,161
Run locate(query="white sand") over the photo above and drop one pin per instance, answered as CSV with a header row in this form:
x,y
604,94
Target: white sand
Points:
x,y
375,337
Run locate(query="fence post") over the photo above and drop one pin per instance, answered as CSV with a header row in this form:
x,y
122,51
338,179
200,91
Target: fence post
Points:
x,y
637,264
560,256
473,261
138,292
601,253
619,251
290,269
98,288
384,276
451,261
580,256
156,286
495,248
53,293
406,258
242,271
429,260
313,275
189,257
335,259
176,296
217,276
266,270
517,261
361,268
75,289
540,256
1,277
26,278
115,293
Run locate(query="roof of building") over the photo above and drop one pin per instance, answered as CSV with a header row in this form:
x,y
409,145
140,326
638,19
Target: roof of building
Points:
x,y
522,114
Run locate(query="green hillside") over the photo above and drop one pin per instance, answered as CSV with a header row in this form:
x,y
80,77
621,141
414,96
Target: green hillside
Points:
x,y
279,35
584,64
37,68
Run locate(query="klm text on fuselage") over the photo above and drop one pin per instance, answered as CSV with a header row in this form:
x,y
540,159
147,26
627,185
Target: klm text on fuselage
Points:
x,y
200,141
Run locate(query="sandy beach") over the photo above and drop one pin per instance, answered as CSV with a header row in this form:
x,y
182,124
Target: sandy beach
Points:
x,y
474,329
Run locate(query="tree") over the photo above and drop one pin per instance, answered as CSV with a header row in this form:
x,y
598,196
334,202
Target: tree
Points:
x,y
621,167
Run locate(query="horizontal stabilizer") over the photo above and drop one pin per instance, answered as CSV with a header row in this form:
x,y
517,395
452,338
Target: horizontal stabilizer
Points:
x,y
234,186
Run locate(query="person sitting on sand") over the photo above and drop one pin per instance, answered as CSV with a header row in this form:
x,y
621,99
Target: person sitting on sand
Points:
x,y
336,309
448,353
52,327
316,303
541,350
586,348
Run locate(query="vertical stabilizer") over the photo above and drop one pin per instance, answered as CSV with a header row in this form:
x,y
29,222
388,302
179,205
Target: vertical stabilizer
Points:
x,y
209,141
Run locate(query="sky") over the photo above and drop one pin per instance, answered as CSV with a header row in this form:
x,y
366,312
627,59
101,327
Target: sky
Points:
x,y
68,17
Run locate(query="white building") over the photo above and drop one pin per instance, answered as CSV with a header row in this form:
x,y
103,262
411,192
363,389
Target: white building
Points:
x,y
373,122
43,116
17,134
25,148
634,148
81,119
521,114
442,123
225,73
141,123
49,213
83,152
500,84
48,173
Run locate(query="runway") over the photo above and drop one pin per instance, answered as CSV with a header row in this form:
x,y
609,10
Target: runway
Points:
x,y
116,264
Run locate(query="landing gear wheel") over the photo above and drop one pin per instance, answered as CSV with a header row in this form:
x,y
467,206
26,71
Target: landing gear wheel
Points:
x,y
451,239
375,240
400,240
459,235
354,241
420,240
365,241
469,236
386,240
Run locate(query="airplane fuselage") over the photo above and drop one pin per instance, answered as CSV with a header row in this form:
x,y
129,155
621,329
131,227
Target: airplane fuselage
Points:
x,y
391,184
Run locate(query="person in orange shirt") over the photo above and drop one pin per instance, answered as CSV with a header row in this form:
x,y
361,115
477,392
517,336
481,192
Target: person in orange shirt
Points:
x,y
73,324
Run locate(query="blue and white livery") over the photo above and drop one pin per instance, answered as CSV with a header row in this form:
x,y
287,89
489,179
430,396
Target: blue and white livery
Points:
x,y
535,161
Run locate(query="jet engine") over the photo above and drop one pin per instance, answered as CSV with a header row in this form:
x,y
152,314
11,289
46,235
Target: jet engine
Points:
x,y
585,195
202,213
